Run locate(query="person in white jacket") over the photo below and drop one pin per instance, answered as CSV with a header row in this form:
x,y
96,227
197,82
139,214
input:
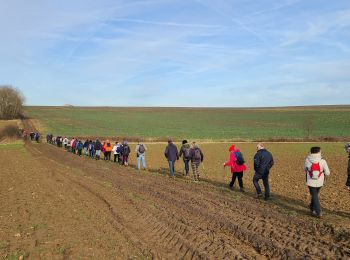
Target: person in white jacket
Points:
x,y
316,169
116,151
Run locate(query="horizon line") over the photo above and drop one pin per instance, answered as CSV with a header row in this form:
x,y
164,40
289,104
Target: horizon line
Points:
x,y
196,107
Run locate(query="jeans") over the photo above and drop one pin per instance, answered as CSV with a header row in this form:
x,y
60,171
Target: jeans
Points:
x,y
187,166
140,158
315,202
239,175
265,179
171,168
97,154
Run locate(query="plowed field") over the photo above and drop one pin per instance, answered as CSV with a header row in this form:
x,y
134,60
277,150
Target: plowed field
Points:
x,y
56,204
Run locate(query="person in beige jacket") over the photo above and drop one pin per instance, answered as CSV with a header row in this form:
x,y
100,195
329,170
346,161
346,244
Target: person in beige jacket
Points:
x,y
316,169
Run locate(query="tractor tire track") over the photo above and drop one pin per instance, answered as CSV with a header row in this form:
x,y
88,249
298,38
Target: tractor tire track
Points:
x,y
193,221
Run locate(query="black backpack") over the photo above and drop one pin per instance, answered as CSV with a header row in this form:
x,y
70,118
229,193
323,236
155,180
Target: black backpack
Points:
x,y
239,158
125,149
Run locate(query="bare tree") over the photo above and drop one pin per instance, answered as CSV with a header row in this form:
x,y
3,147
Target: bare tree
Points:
x,y
308,126
11,103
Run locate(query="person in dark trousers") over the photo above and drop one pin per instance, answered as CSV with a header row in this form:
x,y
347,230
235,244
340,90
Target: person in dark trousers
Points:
x,y
197,157
237,165
185,154
263,162
172,155
347,184
116,152
36,137
126,153
316,169
86,147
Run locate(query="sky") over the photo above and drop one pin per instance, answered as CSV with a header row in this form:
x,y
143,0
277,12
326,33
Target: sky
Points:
x,y
191,53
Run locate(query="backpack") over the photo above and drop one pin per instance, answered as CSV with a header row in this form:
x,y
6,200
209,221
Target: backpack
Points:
x,y
126,150
118,149
186,153
141,149
197,155
315,171
239,158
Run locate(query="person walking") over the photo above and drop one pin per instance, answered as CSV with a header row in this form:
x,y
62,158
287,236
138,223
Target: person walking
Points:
x,y
103,150
171,154
237,165
263,162
126,153
316,169
72,145
98,147
92,149
116,152
197,157
185,154
108,150
79,147
86,147
36,137
140,154
347,184
65,142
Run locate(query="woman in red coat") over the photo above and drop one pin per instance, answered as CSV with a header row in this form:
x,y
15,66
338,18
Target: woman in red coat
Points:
x,y
237,167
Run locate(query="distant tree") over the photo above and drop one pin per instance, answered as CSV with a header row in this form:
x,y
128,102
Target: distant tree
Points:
x,y
308,126
11,103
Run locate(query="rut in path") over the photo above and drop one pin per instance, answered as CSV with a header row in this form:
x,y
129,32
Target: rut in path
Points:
x,y
175,219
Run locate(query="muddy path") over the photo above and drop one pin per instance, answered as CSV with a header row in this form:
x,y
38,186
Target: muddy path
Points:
x,y
174,218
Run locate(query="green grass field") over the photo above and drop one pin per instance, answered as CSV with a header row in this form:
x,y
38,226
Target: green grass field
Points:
x,y
196,123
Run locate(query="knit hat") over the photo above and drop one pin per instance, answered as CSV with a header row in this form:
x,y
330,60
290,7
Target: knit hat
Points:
x,y
232,147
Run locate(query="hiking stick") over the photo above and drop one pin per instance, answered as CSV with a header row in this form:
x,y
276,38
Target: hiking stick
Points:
x,y
224,179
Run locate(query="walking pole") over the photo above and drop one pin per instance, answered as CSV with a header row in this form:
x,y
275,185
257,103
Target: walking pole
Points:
x,y
224,179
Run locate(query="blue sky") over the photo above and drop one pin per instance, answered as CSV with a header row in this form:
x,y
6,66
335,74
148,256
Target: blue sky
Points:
x,y
238,53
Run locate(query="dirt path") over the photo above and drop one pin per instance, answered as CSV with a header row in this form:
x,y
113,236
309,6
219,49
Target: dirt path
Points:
x,y
155,216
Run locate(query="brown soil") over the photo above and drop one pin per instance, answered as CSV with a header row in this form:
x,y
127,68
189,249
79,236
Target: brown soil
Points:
x,y
58,205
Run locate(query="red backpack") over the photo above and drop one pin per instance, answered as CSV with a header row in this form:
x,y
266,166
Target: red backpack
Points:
x,y
315,171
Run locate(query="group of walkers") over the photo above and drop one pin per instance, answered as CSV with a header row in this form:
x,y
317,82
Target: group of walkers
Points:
x,y
190,153
93,149
315,167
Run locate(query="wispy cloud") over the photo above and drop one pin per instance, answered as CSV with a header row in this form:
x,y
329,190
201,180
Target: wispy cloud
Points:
x,y
166,23
257,53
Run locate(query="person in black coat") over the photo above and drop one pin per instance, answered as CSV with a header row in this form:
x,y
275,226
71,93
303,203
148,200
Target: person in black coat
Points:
x,y
347,184
263,161
172,155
